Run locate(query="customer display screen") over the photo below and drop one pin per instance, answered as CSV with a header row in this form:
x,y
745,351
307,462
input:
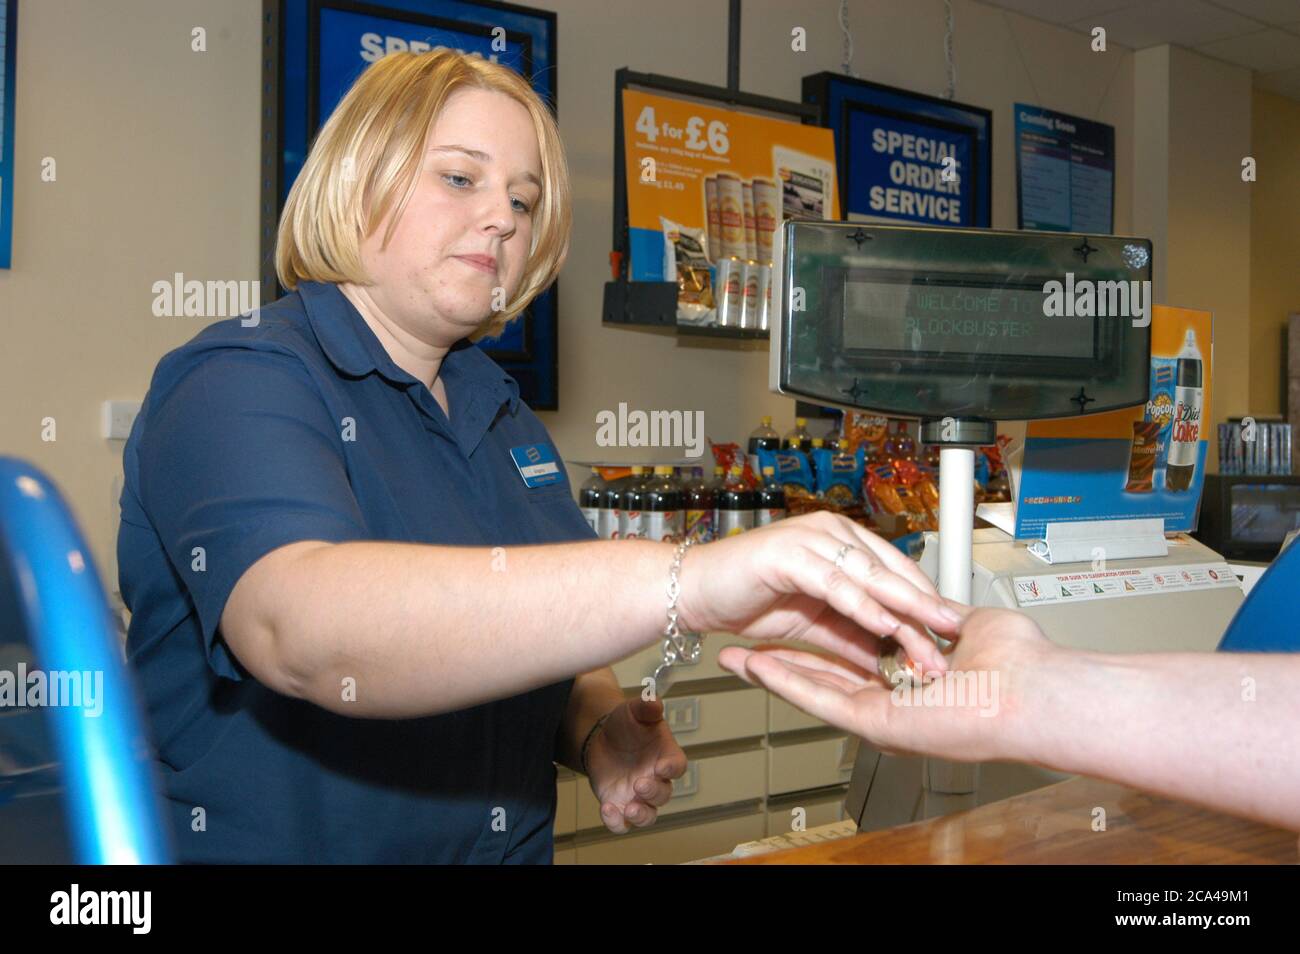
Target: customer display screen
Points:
x,y
894,316
975,323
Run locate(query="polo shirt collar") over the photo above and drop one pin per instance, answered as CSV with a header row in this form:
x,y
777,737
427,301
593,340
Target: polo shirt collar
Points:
x,y
352,347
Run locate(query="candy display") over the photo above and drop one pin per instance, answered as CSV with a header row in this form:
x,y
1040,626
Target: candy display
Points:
x,y
871,471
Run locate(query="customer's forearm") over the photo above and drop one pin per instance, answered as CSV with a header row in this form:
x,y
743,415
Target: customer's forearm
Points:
x,y
1217,729
418,630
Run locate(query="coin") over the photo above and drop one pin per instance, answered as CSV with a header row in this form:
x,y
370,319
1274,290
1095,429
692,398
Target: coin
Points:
x,y
894,665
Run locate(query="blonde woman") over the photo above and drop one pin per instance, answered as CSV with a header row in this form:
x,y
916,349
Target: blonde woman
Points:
x,y
361,632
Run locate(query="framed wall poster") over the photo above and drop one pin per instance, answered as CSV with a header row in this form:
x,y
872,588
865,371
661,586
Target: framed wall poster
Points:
x,y
1065,172
8,49
904,156
315,50
714,169
691,141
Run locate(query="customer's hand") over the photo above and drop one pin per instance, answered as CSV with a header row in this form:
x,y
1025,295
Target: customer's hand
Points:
x,y
976,711
780,582
632,761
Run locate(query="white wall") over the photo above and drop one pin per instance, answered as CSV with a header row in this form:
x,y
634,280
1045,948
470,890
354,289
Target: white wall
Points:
x,y
1194,129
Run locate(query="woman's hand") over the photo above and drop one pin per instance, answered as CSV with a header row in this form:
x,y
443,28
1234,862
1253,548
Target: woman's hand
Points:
x,y
974,712
781,583
631,764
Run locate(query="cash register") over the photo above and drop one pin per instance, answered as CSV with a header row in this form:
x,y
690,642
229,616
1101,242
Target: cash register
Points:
x,y
953,327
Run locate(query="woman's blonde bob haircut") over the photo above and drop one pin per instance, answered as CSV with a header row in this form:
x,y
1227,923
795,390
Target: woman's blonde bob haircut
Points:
x,y
375,139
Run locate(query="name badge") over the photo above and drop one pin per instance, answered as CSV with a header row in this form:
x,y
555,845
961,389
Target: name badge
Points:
x,y
537,464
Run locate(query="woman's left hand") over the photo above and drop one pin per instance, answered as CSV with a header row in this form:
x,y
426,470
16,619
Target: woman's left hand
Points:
x,y
631,764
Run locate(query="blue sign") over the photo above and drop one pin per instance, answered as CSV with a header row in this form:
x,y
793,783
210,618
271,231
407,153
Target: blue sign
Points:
x,y
906,157
909,171
1065,172
350,41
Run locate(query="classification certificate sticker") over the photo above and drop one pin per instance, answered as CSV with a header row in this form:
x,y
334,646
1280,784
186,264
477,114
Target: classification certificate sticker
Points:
x,y
1039,589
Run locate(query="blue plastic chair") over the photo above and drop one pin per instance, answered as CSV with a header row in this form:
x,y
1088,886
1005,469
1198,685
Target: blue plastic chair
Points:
x,y
1267,621
96,768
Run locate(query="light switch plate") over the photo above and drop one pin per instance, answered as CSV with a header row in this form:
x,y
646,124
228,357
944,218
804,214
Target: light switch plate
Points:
x,y
118,416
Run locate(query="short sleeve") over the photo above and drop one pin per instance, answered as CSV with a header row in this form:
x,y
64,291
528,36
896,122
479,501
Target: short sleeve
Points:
x,y
237,457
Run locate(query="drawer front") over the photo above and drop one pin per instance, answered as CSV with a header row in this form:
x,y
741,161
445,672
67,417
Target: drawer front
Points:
x,y
815,764
716,716
566,804
673,846
708,783
566,856
821,810
632,670
783,717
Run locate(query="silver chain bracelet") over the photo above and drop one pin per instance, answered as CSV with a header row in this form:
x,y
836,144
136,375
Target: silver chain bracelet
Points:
x,y
679,648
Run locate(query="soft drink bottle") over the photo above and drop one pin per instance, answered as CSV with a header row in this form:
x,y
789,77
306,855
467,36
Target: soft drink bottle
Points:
x,y
717,485
629,516
762,437
700,499
590,496
799,438
1185,431
736,505
663,512
611,508
771,499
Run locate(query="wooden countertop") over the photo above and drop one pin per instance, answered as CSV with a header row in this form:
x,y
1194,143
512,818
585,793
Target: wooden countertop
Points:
x,y
1054,825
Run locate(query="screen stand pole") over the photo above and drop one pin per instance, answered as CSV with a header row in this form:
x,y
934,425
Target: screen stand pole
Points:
x,y
956,527
956,521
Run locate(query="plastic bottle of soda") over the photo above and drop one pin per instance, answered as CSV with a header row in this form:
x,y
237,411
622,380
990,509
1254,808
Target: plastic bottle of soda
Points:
x,y
799,438
771,499
1185,431
717,485
699,501
611,508
630,526
590,495
664,514
762,437
736,505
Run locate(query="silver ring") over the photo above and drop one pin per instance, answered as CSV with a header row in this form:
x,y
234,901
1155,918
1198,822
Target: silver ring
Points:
x,y
839,557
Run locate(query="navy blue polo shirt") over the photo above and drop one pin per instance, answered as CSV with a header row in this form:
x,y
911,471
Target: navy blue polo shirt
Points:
x,y
302,428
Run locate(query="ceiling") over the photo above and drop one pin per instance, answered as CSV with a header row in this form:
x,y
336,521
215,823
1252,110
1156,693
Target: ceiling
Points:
x,y
1262,35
